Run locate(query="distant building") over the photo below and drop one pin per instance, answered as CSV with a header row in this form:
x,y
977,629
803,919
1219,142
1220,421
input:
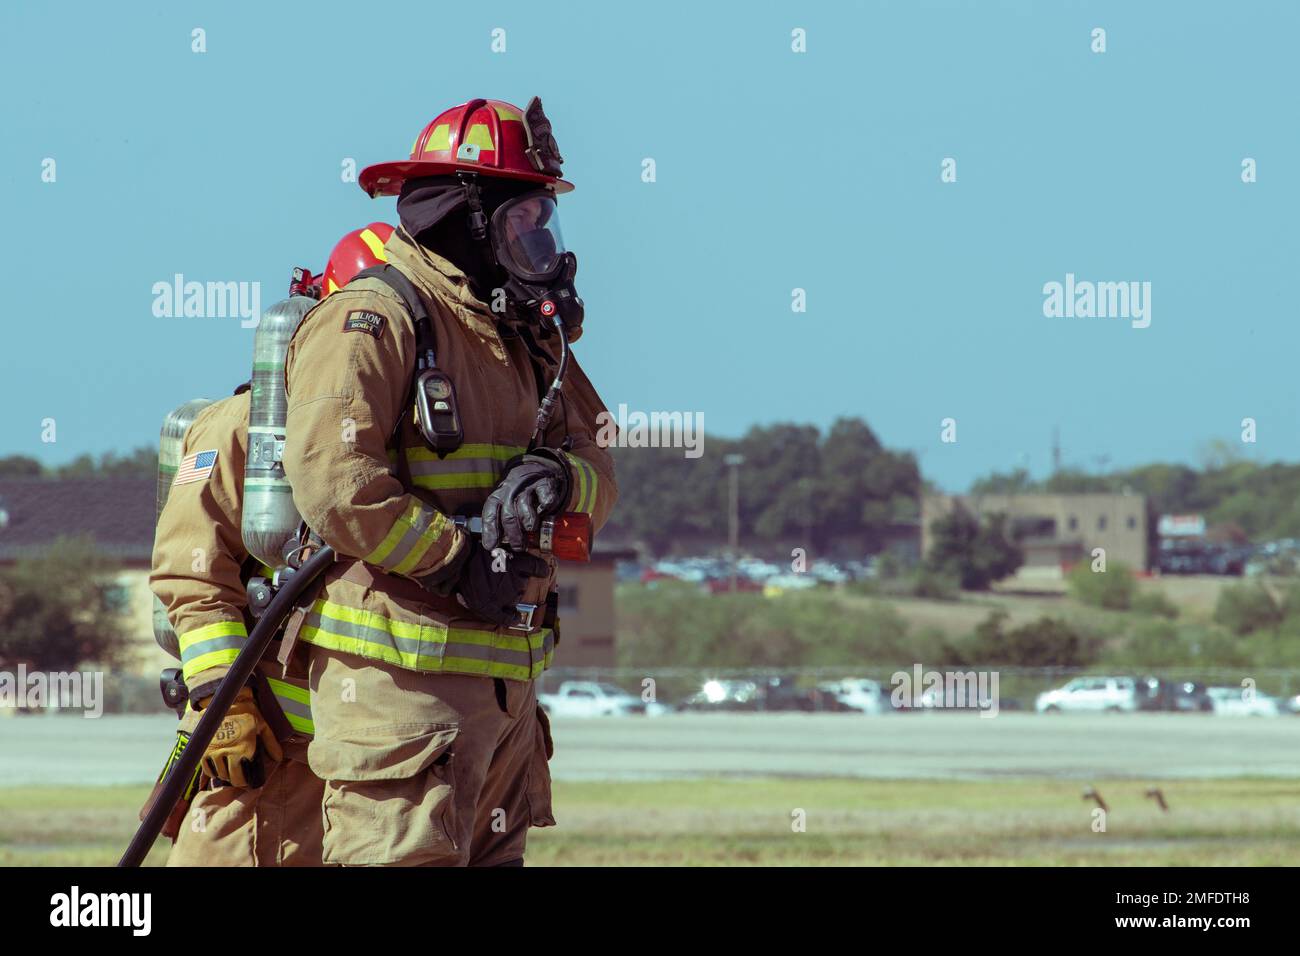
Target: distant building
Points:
x,y
587,616
118,514
1057,530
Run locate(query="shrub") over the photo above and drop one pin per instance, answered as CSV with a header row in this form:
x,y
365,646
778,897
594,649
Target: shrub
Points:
x,y
1156,604
1247,607
928,583
1046,642
1112,589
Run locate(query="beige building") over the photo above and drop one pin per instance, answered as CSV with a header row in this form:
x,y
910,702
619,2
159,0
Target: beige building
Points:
x,y
587,615
1057,530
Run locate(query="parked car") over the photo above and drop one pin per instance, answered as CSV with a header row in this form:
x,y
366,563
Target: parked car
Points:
x,y
723,585
1186,696
721,695
859,694
1232,702
1090,694
828,573
783,693
962,696
580,698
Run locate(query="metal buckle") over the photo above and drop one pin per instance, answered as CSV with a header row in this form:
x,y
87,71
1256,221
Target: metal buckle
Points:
x,y
526,612
546,536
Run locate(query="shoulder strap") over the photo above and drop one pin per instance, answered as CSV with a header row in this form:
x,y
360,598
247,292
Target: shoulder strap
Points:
x,y
425,348
425,340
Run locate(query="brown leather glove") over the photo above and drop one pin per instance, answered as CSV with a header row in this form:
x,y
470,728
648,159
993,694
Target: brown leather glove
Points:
x,y
234,755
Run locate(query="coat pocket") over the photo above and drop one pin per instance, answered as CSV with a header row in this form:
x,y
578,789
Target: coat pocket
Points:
x,y
538,790
389,795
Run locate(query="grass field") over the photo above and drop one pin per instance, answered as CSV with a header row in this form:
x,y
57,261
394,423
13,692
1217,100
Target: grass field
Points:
x,y
751,823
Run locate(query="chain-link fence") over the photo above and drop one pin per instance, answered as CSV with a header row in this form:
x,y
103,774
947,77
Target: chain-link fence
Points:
x,y
912,685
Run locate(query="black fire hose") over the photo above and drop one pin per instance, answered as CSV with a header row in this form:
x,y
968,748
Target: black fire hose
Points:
x,y
182,770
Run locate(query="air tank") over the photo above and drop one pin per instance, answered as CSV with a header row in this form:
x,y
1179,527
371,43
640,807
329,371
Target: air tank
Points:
x,y
270,518
171,443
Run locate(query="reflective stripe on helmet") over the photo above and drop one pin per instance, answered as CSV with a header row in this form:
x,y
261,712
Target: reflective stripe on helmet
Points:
x,y
374,244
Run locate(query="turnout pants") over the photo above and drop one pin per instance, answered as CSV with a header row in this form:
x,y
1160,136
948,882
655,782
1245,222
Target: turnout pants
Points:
x,y
425,769
276,824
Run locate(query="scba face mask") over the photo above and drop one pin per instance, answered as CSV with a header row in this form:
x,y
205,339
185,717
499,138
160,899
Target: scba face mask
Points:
x,y
528,245
526,241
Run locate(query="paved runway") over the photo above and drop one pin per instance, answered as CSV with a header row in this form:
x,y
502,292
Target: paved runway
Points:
x,y
71,750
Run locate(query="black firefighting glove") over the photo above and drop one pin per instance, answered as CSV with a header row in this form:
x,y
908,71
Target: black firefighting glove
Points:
x,y
491,585
535,487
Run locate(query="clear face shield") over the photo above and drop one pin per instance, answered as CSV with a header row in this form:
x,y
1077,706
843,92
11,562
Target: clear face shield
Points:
x,y
528,244
526,236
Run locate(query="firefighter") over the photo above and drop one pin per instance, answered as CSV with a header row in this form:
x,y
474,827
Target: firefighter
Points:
x,y
425,643
260,802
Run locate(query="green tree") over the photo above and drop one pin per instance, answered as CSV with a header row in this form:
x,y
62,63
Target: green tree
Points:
x,y
1016,482
60,608
141,463
978,553
19,466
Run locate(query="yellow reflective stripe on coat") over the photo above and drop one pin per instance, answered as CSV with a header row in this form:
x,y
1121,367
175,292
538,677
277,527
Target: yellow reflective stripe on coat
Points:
x,y
410,538
433,648
587,480
467,468
295,702
211,646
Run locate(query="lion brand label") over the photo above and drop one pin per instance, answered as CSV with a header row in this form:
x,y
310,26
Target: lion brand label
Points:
x,y
359,320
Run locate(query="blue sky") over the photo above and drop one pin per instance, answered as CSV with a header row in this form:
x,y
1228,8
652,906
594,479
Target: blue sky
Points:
x,y
775,171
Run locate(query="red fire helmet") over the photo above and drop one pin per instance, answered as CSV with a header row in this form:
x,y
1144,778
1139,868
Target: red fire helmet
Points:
x,y
359,249
491,137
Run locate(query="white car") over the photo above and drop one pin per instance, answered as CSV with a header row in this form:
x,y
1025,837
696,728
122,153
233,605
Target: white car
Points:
x,y
581,698
856,693
1093,694
1233,702
757,570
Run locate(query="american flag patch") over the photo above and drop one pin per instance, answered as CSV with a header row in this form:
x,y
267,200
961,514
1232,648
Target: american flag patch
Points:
x,y
196,467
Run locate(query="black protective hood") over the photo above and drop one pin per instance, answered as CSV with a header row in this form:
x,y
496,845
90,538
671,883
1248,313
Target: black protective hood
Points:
x,y
433,212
